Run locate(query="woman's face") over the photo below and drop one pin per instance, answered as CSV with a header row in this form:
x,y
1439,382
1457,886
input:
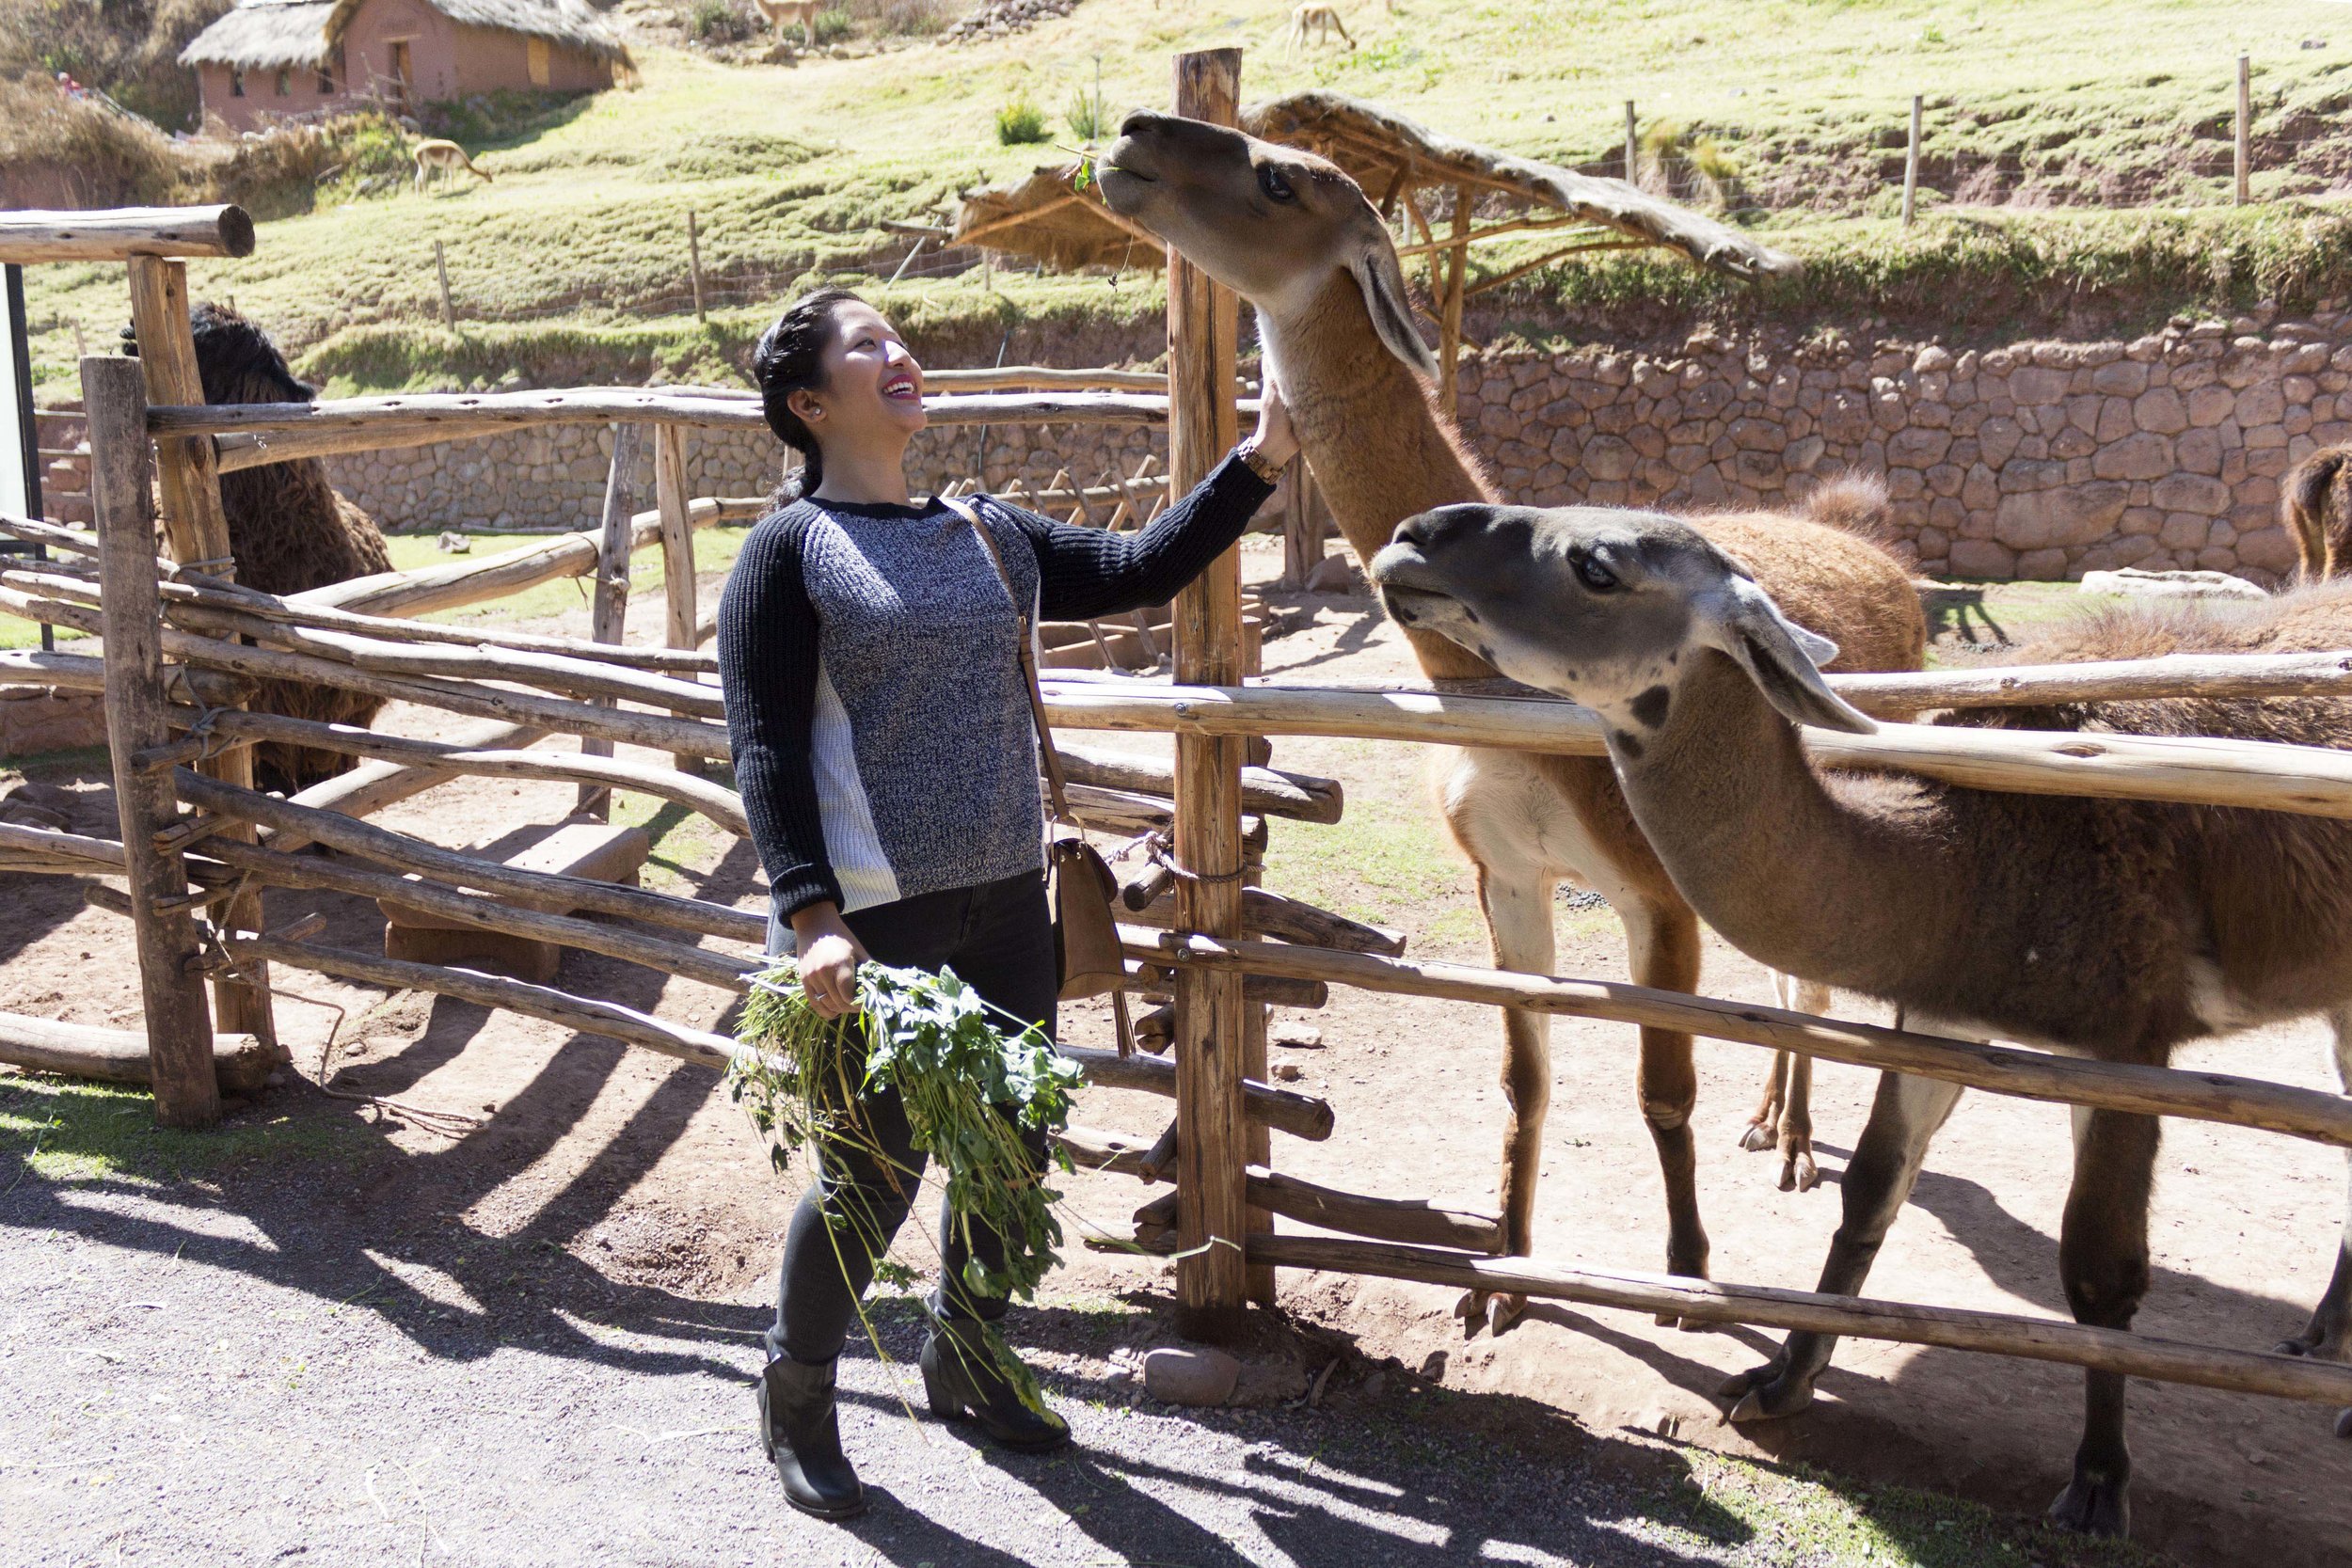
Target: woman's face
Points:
x,y
873,388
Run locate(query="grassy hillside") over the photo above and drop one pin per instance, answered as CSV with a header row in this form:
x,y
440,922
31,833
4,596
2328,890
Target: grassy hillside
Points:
x,y
575,256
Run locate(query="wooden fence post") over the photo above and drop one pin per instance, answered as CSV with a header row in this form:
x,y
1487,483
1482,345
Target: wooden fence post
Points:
x,y
1450,317
2245,131
441,266
678,549
608,607
179,1024
1632,145
196,533
694,264
1213,1142
1910,166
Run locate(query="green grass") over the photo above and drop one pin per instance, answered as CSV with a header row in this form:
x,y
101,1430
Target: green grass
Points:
x,y
67,1130
572,265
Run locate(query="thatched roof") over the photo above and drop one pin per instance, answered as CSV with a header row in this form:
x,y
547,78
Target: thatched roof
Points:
x,y
1045,219
262,34
1376,145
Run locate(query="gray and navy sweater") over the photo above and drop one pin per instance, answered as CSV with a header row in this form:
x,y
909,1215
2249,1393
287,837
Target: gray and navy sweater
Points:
x,y
875,701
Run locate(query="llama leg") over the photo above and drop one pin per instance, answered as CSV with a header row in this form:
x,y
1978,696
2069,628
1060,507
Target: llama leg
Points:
x,y
2331,1327
1903,1119
1663,950
1517,905
1798,1170
2103,1260
1762,1128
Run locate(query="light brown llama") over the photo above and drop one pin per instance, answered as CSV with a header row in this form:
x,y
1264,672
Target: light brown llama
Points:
x,y
2116,929
1295,236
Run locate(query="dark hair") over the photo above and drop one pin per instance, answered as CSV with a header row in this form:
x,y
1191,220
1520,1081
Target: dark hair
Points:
x,y
791,359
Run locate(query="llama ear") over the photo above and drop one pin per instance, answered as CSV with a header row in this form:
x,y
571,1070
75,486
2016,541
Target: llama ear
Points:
x,y
1382,280
1783,658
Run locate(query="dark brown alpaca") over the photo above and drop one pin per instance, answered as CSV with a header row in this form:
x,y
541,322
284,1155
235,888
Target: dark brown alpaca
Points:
x,y
289,530
2316,508
2108,928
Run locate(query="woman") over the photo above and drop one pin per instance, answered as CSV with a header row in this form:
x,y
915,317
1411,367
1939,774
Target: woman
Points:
x,y
883,744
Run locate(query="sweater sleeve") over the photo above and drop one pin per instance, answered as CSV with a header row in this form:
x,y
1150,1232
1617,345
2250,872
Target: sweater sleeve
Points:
x,y
1087,572
768,672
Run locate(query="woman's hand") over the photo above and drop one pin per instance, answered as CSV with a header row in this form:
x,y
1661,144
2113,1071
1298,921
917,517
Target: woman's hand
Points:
x,y
1276,441
829,954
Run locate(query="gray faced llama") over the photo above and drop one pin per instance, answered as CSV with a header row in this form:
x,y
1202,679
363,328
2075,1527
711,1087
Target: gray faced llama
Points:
x,y
2109,928
1294,235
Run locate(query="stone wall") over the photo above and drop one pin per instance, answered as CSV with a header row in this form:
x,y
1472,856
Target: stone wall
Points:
x,y
554,479
2029,460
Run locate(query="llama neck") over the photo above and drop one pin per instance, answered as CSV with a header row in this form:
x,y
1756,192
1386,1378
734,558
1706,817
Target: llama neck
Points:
x,y
1794,875
1379,448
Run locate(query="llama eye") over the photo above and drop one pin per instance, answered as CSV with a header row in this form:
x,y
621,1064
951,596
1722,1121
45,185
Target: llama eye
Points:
x,y
1595,576
1271,182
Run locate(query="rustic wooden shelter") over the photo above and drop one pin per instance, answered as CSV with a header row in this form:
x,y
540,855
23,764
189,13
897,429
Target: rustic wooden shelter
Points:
x,y
1419,177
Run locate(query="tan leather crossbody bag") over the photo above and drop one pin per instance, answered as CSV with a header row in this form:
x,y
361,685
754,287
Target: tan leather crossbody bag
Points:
x,y
1086,934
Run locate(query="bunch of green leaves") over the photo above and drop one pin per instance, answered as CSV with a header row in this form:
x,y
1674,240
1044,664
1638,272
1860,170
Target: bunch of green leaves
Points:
x,y
970,1086
1020,121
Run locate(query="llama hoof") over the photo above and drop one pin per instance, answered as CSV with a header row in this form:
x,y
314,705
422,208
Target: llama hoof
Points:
x,y
1757,1138
1766,1393
1471,1309
2323,1342
1799,1173
1502,1311
2093,1508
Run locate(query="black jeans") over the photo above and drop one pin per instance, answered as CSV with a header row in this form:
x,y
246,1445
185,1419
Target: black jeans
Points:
x,y
998,938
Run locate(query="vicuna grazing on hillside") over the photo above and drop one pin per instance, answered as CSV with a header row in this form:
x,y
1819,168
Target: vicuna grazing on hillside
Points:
x,y
1295,236
2109,928
778,12
1315,17
288,529
446,157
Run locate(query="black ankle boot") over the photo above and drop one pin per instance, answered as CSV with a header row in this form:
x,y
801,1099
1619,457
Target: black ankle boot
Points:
x,y
799,1429
962,1378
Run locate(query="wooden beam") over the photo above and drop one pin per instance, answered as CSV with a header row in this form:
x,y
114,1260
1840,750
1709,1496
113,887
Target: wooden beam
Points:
x,y
1300,1115
682,615
607,613
179,1023
1214,1141
1450,323
2109,1350
2126,1086
121,234
240,1062
376,786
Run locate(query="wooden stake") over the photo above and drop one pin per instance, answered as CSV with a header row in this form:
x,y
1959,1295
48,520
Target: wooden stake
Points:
x,y
694,259
2245,131
610,609
179,1024
196,530
1910,166
1450,323
448,307
1214,1141
678,547
1632,147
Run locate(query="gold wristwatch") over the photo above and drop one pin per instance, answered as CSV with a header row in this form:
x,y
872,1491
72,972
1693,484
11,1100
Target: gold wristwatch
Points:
x,y
1265,467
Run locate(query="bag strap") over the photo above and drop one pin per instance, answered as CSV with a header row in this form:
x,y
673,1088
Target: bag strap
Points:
x,y
1051,758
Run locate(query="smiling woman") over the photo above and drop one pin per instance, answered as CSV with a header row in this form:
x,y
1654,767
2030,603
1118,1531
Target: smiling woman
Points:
x,y
869,646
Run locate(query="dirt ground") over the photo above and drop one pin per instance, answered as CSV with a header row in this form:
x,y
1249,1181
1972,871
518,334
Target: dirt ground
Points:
x,y
492,1294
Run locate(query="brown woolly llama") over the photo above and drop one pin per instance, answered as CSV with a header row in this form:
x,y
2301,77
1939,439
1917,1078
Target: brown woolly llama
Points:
x,y
2316,508
289,530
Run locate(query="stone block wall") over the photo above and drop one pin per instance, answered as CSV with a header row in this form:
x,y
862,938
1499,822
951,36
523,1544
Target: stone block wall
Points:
x,y
2028,460
554,479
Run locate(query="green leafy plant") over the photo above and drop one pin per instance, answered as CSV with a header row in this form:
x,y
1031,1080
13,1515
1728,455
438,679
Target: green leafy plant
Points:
x,y
833,25
719,21
1087,116
970,1088
1020,121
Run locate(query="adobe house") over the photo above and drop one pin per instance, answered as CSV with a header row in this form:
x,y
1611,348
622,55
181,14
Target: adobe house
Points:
x,y
272,59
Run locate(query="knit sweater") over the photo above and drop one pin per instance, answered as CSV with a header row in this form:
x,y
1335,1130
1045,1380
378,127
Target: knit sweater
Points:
x,y
875,701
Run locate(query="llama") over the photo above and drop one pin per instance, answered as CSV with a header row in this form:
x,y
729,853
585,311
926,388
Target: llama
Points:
x,y
2316,508
2109,928
778,12
288,529
1295,237
445,156
1322,18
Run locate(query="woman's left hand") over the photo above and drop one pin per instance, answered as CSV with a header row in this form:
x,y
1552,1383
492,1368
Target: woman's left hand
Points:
x,y
1275,439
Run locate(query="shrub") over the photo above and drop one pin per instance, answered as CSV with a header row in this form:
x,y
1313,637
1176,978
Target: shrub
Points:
x,y
915,18
1021,121
1090,119
717,22
835,25
58,151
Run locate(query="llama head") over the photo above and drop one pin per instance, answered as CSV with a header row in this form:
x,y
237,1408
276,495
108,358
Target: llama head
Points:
x,y
1612,608
238,362
1272,223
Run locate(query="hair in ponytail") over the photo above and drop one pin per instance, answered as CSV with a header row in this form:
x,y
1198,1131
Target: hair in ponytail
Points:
x,y
791,359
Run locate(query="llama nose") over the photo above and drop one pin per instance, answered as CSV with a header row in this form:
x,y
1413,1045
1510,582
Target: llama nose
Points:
x,y
1139,120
